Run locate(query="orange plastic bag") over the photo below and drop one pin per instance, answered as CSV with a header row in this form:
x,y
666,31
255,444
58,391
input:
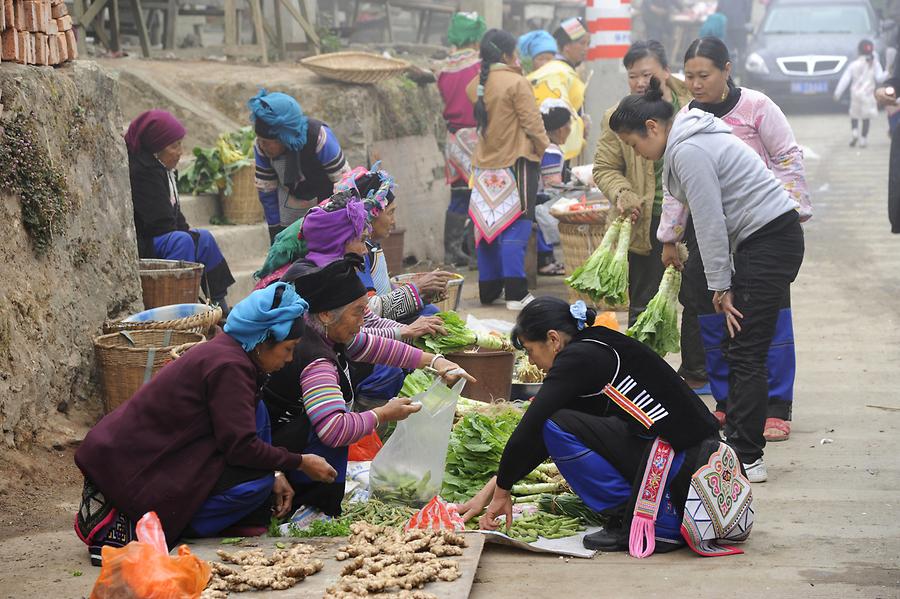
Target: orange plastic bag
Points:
x,y
143,569
365,449
608,320
437,515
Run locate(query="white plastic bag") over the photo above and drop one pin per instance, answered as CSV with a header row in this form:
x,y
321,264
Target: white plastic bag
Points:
x,y
409,468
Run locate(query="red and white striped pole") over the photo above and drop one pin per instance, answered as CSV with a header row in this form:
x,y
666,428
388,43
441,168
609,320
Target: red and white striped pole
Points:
x,y
609,24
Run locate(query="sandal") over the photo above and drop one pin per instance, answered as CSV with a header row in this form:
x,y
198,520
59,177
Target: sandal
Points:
x,y
553,269
777,430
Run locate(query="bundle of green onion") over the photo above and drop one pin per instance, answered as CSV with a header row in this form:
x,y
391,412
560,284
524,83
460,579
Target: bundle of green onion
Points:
x,y
657,326
604,276
459,336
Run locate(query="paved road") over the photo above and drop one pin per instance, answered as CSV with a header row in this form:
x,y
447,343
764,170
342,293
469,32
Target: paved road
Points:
x,y
827,520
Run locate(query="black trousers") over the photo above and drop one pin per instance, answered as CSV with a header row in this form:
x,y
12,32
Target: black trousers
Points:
x,y
894,182
765,265
644,275
695,299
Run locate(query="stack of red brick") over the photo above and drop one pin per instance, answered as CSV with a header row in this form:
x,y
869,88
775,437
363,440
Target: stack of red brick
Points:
x,y
36,32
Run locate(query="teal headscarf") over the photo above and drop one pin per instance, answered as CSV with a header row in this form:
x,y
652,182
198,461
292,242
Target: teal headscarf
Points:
x,y
466,28
272,310
279,116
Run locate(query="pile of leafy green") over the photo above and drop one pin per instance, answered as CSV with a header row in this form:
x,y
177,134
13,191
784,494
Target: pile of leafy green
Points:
x,y
604,276
657,326
213,168
459,336
476,444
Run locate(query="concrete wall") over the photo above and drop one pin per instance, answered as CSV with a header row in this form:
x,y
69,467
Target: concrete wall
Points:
x,y
53,303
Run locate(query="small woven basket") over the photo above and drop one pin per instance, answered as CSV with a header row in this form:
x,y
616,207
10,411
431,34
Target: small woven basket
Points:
x,y
167,282
128,359
454,291
201,322
578,243
242,206
355,67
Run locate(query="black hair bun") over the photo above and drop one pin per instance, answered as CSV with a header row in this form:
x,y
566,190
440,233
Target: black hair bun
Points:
x,y
654,91
591,317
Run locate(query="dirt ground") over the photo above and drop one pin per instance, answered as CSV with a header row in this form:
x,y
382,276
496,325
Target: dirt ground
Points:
x,y
827,519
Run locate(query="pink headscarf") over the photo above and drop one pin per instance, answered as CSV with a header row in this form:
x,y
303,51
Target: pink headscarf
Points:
x,y
327,232
152,131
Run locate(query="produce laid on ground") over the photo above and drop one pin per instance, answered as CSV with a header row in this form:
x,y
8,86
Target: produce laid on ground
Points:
x,y
376,512
459,336
569,504
253,570
387,560
604,276
213,167
528,528
657,326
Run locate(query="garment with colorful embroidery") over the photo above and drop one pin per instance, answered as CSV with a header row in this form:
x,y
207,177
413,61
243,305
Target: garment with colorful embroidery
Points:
x,y
558,79
604,373
761,124
395,303
295,181
552,166
324,401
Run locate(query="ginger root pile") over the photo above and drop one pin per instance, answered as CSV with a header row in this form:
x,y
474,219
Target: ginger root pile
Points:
x,y
392,564
255,571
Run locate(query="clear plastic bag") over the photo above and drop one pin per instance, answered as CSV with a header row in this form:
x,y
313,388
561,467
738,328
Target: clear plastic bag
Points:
x,y
409,468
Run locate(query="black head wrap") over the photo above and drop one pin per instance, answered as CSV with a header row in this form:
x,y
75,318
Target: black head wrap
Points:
x,y
330,287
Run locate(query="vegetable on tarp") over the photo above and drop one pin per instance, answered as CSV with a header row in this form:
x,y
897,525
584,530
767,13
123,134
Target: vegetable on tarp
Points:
x,y
590,277
657,326
459,336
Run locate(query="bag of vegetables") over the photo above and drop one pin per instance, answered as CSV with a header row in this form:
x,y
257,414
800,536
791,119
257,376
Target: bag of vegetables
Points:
x,y
409,469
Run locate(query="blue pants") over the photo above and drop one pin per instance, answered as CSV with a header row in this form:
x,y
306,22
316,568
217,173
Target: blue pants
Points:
x,y
781,362
501,264
598,483
222,510
198,245
459,201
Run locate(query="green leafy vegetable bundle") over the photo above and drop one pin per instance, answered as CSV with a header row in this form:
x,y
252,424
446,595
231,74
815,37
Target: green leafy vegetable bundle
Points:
x,y
417,381
604,276
459,336
570,504
657,326
213,168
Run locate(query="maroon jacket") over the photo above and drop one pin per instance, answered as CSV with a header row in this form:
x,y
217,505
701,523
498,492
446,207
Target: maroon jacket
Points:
x,y
165,448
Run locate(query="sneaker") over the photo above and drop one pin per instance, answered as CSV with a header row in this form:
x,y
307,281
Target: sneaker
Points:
x,y
756,472
517,305
863,142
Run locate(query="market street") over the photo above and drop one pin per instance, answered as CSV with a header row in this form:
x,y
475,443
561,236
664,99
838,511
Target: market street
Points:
x,y
826,521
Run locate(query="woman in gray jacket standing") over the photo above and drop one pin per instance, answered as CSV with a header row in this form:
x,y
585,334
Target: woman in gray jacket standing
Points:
x,y
749,236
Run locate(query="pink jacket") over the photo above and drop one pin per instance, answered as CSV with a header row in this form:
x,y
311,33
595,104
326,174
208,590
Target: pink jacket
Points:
x,y
759,122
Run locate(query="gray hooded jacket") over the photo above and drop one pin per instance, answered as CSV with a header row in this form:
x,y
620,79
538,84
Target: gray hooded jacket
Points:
x,y
730,192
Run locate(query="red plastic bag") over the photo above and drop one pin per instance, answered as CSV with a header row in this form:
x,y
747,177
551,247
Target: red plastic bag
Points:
x,y
365,449
143,569
437,515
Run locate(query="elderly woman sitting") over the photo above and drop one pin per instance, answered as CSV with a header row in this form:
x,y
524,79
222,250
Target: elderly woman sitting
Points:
x,y
154,149
311,399
194,443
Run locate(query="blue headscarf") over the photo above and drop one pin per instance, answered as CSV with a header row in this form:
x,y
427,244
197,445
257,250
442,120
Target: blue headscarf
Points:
x,y
281,115
536,42
259,314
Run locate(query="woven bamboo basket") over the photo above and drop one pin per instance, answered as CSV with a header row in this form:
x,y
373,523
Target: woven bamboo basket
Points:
x,y
578,243
355,67
454,291
128,359
242,206
203,321
167,282
180,350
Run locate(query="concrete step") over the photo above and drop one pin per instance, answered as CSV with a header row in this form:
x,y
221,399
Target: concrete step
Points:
x,y
199,209
243,270
245,248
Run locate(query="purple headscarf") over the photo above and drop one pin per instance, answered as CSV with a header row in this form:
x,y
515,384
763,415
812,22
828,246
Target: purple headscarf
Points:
x,y
327,232
152,131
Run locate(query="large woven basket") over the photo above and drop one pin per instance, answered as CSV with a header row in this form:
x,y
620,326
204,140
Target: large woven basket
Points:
x,y
355,67
578,243
242,206
193,318
454,291
128,359
166,282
